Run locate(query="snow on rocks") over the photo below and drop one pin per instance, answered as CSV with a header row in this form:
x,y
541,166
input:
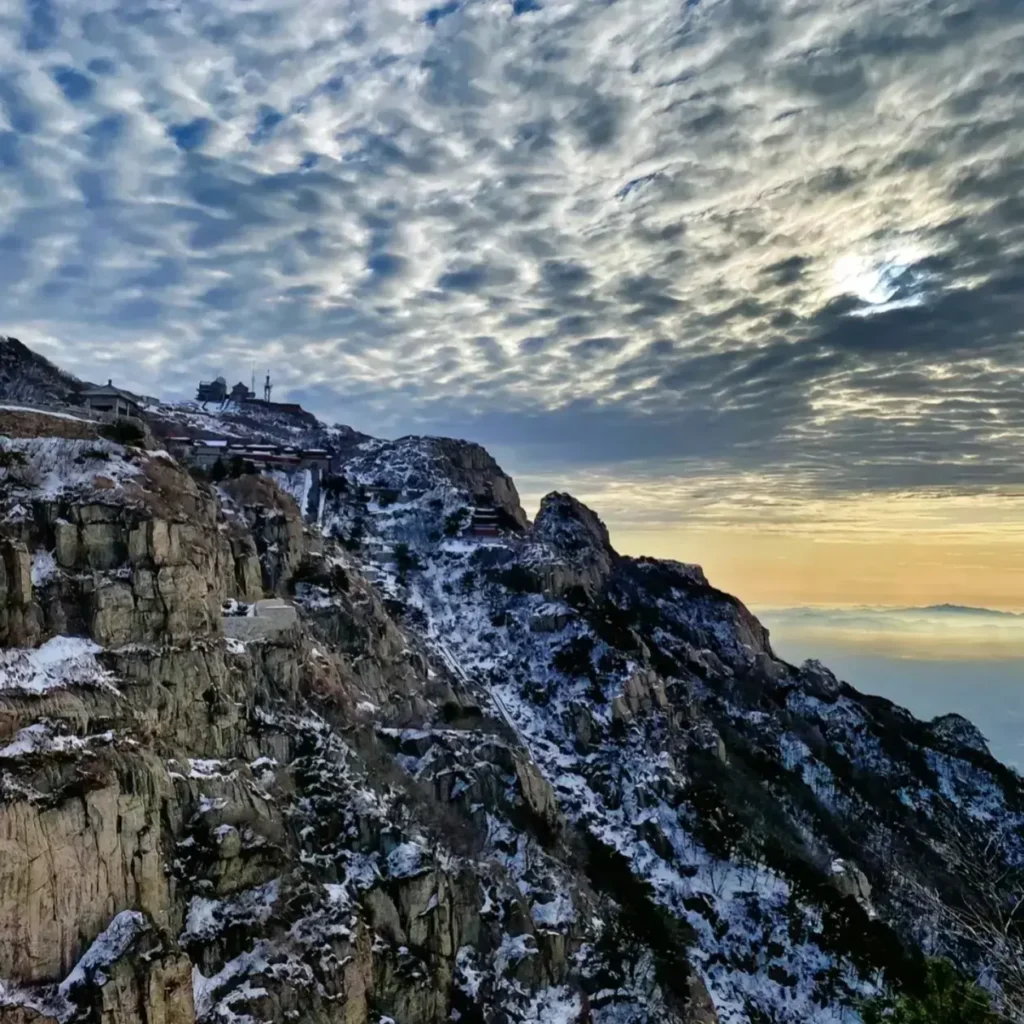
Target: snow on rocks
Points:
x,y
52,413
51,467
42,738
57,1001
107,948
207,768
507,620
958,731
406,860
208,991
44,568
556,1005
553,913
59,663
207,918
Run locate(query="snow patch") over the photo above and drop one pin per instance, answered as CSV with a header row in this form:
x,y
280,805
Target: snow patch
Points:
x,y
559,911
109,946
44,568
61,662
41,739
54,466
406,860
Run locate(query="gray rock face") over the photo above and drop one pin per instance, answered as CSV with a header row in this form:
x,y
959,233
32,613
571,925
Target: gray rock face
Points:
x,y
472,467
420,464
63,868
176,574
583,555
274,538
959,732
571,527
819,680
21,618
523,778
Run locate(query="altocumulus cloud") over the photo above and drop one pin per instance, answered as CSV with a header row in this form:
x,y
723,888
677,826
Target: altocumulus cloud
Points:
x,y
737,234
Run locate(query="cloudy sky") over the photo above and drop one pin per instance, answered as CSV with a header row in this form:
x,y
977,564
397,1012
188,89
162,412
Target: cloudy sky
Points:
x,y
748,275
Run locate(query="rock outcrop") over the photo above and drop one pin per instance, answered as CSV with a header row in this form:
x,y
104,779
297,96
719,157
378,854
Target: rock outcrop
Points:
x,y
580,542
498,779
959,732
418,465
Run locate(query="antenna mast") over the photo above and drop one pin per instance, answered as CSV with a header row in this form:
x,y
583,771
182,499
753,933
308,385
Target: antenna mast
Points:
x,y
267,388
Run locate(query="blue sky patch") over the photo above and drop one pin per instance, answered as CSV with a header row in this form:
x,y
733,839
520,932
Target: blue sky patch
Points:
x,y
192,134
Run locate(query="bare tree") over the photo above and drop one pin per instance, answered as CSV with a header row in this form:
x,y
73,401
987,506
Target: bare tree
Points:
x,y
980,908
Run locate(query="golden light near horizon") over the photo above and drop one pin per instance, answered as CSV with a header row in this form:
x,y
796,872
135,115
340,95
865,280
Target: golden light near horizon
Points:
x,y
774,546
779,570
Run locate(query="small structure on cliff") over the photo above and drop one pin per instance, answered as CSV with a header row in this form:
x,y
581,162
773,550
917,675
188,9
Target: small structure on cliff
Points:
x,y
212,391
263,620
484,522
205,453
111,400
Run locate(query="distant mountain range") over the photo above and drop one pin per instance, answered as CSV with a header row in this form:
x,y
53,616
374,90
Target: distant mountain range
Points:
x,y
858,611
963,609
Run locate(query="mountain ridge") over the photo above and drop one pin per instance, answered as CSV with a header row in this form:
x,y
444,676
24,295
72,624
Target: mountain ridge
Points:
x,y
347,760
27,376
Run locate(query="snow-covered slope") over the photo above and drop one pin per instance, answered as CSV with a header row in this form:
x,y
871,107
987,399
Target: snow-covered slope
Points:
x,y
26,376
500,776
775,810
251,422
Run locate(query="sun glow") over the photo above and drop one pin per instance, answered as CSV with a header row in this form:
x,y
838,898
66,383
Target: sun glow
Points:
x,y
882,279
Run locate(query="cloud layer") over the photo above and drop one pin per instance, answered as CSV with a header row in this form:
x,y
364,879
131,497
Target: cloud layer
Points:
x,y
704,237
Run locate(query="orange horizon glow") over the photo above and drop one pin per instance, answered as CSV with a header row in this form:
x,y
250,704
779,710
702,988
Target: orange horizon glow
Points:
x,y
773,570
775,546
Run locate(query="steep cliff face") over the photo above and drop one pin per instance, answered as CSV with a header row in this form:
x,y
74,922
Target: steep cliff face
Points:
x,y
502,779
458,471
789,822
196,827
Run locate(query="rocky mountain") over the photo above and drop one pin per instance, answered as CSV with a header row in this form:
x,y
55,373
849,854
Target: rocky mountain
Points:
x,y
359,763
26,376
250,422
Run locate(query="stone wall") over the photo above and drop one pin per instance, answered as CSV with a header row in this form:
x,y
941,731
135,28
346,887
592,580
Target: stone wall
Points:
x,y
271,619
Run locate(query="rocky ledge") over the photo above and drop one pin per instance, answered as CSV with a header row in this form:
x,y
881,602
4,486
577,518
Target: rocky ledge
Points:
x,y
350,763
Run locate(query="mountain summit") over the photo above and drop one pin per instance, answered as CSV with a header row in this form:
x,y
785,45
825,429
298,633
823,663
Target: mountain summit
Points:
x,y
338,734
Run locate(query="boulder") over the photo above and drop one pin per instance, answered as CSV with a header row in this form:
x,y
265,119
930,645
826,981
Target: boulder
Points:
x,y
579,542
956,731
851,881
538,794
818,680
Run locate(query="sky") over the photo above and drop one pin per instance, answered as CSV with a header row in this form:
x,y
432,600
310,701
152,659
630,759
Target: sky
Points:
x,y
745,275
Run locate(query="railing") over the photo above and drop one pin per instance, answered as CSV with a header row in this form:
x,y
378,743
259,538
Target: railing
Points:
x,y
79,411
